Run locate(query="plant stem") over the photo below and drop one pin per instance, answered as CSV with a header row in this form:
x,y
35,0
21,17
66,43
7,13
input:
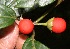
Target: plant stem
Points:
x,y
59,1
43,24
46,13
33,40
40,18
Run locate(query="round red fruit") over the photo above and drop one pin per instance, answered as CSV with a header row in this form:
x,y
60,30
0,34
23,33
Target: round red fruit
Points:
x,y
26,26
59,25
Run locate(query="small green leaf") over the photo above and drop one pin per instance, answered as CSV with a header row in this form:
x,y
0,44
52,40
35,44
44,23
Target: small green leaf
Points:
x,y
30,44
7,16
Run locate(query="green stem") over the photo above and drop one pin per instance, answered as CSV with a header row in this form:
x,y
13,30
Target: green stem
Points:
x,y
59,1
40,18
33,39
43,24
46,13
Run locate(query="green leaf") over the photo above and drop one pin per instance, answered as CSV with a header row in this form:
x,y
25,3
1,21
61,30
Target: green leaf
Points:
x,y
2,2
11,3
6,11
32,4
30,44
28,5
7,2
4,22
7,16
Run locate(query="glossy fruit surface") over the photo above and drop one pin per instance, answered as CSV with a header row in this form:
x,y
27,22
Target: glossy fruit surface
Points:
x,y
59,25
26,26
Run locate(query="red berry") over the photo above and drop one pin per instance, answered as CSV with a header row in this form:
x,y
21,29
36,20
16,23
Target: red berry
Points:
x,y
59,25
26,26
